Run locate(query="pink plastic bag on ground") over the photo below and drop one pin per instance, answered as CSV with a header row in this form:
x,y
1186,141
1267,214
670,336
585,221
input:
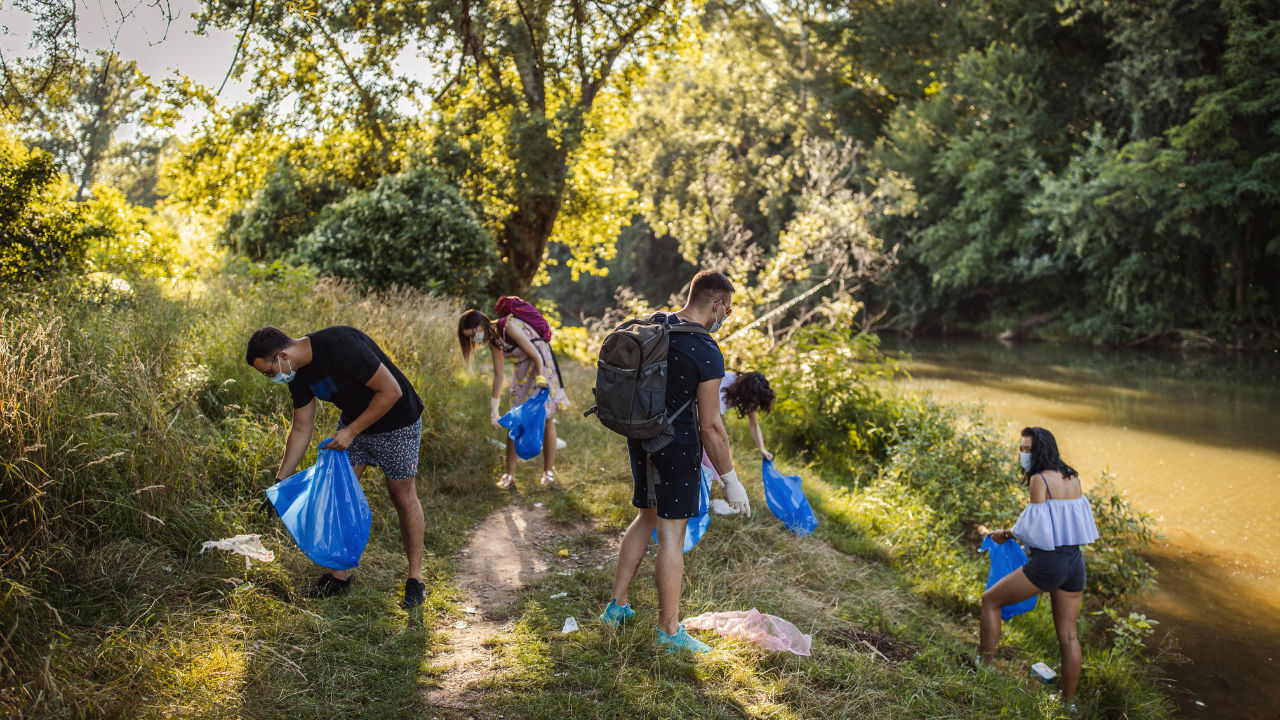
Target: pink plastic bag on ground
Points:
x,y
768,631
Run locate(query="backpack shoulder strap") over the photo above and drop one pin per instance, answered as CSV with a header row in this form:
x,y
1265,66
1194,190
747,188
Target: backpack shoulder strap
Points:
x,y
665,319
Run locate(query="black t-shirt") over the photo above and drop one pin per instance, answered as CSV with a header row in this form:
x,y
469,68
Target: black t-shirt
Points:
x,y
692,358
343,359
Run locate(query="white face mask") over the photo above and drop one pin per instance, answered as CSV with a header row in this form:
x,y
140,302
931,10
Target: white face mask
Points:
x,y
715,324
1025,459
479,336
281,377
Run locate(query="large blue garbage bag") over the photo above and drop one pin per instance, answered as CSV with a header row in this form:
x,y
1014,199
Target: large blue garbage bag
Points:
x,y
697,524
528,423
1005,558
787,500
325,510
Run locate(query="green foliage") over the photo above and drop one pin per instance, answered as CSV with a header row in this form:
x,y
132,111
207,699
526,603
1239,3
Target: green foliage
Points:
x,y
410,229
923,475
41,233
303,180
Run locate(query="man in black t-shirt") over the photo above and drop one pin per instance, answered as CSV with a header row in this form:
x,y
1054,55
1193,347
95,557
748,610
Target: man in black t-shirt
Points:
x,y
695,367
380,424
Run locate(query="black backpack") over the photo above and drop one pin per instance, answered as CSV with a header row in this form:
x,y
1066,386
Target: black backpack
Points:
x,y
631,380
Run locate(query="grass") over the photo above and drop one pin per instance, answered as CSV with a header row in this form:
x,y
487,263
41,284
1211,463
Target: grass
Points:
x,y
133,431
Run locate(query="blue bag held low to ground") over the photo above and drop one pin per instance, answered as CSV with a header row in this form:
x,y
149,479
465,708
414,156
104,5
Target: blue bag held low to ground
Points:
x,y
1005,558
527,423
698,524
786,499
325,510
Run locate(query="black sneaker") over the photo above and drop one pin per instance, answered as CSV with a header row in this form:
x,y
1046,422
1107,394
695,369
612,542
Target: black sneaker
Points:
x,y
327,586
415,592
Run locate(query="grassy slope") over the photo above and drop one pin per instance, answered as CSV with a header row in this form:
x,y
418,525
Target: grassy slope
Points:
x,y
151,628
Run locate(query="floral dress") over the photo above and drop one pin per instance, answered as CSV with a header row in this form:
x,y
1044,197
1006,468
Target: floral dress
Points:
x,y
524,377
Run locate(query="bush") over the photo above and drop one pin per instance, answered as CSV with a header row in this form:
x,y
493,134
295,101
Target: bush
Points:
x,y
924,475
41,227
411,229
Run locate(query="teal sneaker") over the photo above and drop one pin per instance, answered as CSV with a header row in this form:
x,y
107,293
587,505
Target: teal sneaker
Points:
x,y
682,640
615,614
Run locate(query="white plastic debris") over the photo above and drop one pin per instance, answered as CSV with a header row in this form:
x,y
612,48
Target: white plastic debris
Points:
x,y
561,444
559,595
570,624
1200,703
247,545
460,625
469,610
537,504
720,507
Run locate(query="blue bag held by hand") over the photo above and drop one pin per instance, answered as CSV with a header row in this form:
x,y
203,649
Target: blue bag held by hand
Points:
x,y
697,525
527,423
787,500
1005,558
325,510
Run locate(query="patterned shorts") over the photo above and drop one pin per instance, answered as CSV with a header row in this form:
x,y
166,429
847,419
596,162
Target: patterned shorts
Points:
x,y
394,452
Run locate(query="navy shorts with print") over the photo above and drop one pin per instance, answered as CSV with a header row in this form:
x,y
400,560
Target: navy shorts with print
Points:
x,y
1059,569
395,452
678,487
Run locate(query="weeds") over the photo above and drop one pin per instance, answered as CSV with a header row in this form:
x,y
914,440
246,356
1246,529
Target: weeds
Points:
x,y
132,430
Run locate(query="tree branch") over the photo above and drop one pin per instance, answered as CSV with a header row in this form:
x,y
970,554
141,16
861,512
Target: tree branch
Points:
x,y
253,12
469,40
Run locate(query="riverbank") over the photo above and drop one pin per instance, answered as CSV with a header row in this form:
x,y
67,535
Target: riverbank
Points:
x,y
134,431
1193,439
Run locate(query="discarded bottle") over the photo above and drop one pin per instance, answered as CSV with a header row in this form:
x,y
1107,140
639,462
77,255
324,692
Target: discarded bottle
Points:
x,y
1043,672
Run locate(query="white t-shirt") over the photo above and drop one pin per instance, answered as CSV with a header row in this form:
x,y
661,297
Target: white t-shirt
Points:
x,y
730,378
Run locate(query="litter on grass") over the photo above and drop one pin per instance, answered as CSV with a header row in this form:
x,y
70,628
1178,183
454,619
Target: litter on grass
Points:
x,y
570,624
768,631
250,546
720,507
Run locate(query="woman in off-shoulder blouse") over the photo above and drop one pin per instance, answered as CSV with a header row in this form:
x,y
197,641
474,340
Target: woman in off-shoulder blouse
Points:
x,y
1055,523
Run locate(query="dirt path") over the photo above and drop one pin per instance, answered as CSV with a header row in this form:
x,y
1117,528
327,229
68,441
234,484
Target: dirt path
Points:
x,y
506,552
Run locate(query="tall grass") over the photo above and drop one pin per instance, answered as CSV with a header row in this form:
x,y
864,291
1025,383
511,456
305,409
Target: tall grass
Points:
x,y
132,430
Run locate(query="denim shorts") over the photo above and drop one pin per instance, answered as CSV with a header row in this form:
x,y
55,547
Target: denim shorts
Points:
x,y
1059,569
395,452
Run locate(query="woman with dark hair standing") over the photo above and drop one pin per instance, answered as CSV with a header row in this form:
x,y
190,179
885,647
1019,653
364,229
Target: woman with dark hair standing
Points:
x,y
748,393
1055,523
534,368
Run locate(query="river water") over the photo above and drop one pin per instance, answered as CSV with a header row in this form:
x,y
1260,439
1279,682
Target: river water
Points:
x,y
1192,439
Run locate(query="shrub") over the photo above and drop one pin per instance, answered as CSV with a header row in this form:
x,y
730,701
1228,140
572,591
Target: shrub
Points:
x,y
41,227
411,229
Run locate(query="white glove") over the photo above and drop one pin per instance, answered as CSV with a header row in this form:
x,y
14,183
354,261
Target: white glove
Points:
x,y
735,493
493,412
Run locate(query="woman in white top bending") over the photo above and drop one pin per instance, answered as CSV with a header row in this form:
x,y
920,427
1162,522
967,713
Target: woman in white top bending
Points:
x,y
748,393
1056,522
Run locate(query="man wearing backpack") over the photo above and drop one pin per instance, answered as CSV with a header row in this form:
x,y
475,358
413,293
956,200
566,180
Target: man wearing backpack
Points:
x,y
665,465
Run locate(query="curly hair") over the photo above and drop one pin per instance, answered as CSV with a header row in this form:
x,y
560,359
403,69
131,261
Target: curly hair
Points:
x,y
750,392
1044,454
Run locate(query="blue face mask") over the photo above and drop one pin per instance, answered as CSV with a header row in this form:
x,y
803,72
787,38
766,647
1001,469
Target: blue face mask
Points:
x,y
715,324
282,378
1025,459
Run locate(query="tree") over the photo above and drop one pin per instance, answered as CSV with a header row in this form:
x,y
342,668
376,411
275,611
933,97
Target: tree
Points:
x,y
514,92
76,118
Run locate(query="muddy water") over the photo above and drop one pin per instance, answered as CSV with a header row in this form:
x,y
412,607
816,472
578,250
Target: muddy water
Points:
x,y
1195,441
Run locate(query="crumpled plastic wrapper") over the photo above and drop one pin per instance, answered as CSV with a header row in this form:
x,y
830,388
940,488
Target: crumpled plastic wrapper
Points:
x,y
250,546
768,631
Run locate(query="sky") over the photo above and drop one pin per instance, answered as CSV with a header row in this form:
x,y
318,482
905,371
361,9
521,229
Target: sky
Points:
x,y
138,30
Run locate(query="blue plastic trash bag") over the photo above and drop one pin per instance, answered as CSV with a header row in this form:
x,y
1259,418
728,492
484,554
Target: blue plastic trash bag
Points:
x,y
325,510
697,524
1005,558
787,500
527,423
